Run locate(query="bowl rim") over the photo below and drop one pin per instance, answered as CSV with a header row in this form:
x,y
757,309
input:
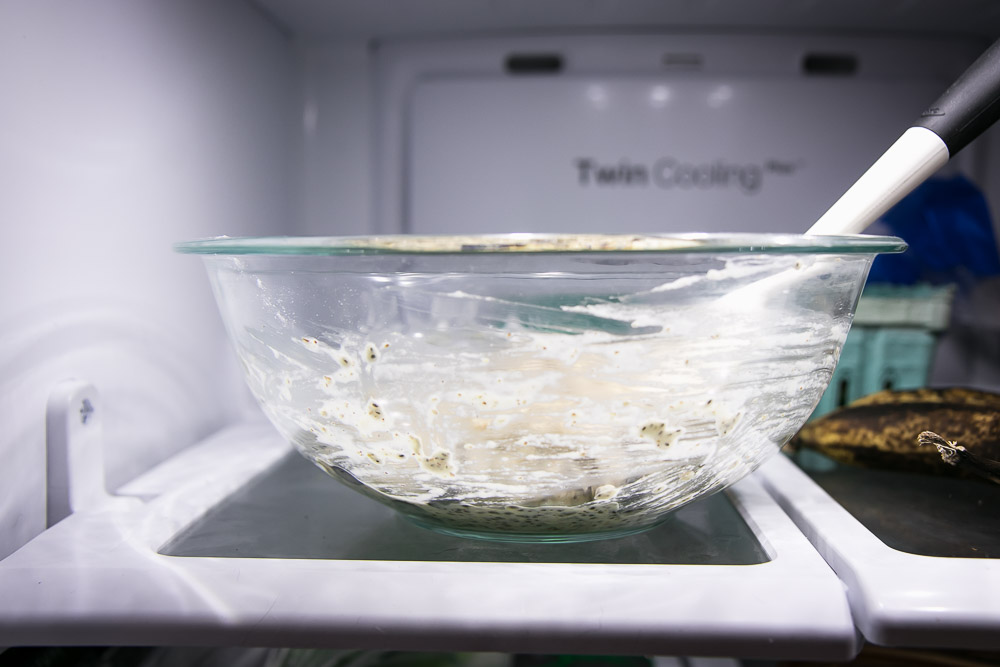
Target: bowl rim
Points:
x,y
531,243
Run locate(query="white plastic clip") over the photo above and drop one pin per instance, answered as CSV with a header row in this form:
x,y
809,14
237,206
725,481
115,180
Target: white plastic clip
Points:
x,y
74,455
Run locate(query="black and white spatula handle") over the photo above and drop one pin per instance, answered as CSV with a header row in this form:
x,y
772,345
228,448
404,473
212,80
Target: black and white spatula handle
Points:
x,y
966,110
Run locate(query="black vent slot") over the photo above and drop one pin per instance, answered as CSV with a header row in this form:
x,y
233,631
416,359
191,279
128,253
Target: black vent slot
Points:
x,y
533,63
683,61
830,64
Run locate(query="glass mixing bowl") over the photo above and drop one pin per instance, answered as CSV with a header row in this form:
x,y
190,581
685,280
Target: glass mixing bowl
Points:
x,y
539,387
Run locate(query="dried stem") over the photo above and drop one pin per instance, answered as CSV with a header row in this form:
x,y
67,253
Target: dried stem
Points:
x,y
954,454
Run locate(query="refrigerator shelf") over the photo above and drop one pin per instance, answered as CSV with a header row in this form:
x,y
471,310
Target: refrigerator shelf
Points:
x,y
729,576
936,585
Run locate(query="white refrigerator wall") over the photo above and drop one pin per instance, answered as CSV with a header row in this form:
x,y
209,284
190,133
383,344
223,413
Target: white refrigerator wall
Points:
x,y
333,191
128,125
644,133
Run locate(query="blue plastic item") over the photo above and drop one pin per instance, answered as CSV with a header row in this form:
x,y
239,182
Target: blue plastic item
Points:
x,y
947,224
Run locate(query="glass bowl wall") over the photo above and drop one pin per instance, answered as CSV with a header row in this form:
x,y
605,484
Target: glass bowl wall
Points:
x,y
548,388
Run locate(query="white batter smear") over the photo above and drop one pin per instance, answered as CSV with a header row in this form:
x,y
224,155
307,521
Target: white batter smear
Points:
x,y
523,428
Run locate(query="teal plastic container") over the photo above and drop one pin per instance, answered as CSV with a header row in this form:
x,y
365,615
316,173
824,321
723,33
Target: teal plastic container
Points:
x,y
891,344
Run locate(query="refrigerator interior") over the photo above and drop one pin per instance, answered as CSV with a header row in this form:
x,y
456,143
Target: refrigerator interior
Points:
x,y
132,125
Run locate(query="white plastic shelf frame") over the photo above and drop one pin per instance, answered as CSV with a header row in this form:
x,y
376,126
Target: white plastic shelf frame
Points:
x,y
918,554
169,561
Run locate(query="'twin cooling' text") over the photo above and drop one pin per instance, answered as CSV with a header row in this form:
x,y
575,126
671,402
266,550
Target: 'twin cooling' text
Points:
x,y
669,173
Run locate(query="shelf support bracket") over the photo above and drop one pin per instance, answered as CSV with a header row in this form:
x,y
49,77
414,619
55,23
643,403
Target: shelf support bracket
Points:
x,y
74,450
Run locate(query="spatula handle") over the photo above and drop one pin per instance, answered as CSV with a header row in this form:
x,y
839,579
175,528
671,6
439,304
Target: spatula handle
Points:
x,y
969,106
967,109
